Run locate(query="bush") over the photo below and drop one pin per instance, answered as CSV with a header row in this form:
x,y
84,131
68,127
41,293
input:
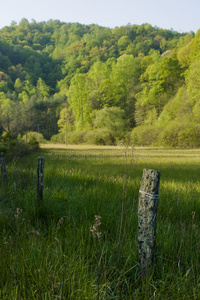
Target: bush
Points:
x,y
58,138
33,137
15,147
145,135
189,136
169,135
78,137
100,137
110,125
181,135
3,148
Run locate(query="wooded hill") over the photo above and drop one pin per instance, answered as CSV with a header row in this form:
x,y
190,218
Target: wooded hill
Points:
x,y
136,83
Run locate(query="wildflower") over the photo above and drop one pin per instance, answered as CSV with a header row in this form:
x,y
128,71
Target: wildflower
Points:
x,y
193,214
57,240
60,222
18,213
95,228
35,232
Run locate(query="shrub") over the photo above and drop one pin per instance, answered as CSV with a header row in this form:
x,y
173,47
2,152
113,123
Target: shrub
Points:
x,y
181,135
110,125
33,137
189,136
78,137
169,135
145,135
58,138
3,148
100,137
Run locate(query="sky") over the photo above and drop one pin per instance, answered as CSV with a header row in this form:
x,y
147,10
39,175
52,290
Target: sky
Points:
x,y
179,15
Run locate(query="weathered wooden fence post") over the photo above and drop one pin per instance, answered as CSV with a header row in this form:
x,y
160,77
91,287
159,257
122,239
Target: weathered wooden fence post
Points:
x,y
147,214
40,177
3,168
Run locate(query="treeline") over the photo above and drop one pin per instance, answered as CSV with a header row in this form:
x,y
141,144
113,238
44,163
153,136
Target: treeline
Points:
x,y
91,84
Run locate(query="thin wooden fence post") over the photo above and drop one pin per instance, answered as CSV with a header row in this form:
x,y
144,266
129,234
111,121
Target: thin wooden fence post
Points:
x,y
3,168
40,177
147,215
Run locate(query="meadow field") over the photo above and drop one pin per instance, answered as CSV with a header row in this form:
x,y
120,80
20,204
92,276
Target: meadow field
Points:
x,y
80,240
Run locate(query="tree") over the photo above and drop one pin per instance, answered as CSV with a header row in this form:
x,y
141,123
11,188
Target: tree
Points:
x,y
79,101
123,42
112,120
193,81
98,73
125,78
42,89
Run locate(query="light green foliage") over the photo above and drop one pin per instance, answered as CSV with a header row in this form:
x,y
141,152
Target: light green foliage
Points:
x,y
174,107
189,136
3,86
145,135
18,85
139,69
66,121
184,53
42,90
98,77
113,121
6,113
195,46
123,43
79,102
32,136
193,81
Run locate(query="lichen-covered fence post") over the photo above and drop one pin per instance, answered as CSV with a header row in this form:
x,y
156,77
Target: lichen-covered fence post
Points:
x,y
3,168
40,177
147,215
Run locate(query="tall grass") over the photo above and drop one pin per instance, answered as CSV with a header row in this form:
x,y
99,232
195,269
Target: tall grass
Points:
x,y
55,249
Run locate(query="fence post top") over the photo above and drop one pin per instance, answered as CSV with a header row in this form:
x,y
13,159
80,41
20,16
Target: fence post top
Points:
x,y
151,171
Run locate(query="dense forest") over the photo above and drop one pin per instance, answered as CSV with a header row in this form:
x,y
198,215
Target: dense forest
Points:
x,y
77,83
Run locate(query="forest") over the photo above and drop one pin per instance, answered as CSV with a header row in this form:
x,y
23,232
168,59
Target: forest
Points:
x,y
74,83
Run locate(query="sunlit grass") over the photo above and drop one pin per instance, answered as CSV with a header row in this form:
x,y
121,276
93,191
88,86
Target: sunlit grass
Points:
x,y
48,250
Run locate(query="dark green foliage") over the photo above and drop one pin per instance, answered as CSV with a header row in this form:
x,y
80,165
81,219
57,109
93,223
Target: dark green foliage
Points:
x,y
17,148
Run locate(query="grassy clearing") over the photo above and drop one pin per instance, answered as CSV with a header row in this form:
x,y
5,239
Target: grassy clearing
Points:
x,y
48,250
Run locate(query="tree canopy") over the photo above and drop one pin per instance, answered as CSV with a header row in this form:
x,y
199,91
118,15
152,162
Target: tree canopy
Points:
x,y
55,73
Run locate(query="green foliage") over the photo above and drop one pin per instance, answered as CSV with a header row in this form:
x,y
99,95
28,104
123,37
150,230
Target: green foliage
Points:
x,y
111,120
58,138
16,148
78,137
189,136
101,136
48,67
181,135
175,108
78,100
193,81
145,135
32,137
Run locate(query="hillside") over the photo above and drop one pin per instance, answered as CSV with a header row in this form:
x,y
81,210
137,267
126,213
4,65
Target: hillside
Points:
x,y
100,85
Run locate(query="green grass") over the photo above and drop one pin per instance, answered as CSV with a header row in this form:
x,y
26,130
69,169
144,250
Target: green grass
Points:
x,y
47,249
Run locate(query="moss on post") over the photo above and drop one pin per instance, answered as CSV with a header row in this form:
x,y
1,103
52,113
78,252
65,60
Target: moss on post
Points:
x,y
147,214
3,168
40,177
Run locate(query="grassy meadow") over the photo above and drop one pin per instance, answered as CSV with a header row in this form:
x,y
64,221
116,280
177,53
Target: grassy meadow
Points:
x,y
80,241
